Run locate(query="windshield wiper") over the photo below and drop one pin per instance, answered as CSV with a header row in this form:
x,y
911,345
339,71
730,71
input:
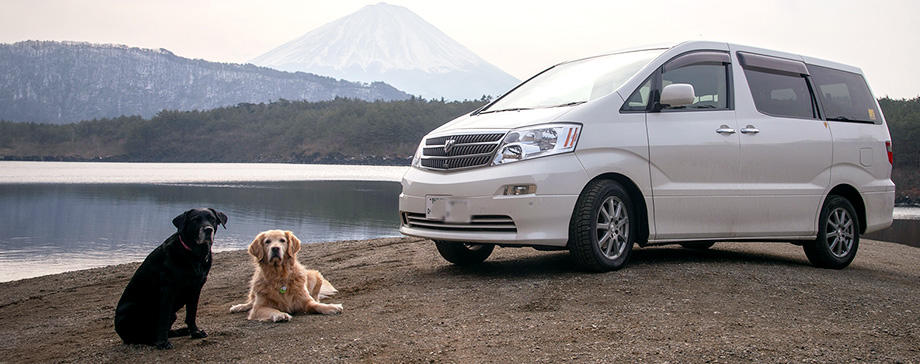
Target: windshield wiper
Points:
x,y
839,118
511,109
573,103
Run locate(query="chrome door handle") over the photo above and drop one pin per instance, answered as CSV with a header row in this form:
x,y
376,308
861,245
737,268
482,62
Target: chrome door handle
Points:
x,y
750,129
724,129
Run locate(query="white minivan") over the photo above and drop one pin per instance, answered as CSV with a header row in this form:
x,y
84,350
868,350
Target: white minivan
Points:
x,y
693,144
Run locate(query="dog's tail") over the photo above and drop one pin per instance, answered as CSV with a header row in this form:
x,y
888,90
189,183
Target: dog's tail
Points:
x,y
327,290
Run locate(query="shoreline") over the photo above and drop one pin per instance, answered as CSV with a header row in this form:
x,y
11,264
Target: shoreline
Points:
x,y
915,244
23,172
403,303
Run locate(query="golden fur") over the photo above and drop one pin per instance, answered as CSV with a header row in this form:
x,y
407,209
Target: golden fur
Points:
x,y
274,253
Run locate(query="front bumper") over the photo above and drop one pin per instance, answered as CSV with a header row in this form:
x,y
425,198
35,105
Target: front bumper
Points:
x,y
534,219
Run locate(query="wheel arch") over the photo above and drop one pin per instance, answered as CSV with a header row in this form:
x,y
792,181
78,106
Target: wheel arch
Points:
x,y
635,194
851,194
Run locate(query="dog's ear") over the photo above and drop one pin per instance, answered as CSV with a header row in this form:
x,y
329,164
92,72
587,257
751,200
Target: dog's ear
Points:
x,y
221,217
256,249
179,221
293,243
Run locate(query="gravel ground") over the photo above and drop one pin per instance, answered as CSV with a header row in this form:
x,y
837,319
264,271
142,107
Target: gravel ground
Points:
x,y
733,303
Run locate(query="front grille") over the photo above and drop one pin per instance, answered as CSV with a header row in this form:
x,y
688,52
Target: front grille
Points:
x,y
478,223
459,151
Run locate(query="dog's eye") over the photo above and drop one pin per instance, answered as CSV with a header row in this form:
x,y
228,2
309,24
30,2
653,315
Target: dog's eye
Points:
x,y
267,241
282,240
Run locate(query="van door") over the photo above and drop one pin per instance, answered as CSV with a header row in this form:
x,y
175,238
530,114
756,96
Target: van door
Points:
x,y
786,149
693,150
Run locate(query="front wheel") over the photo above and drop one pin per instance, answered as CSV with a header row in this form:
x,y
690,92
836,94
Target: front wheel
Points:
x,y
838,235
464,253
603,227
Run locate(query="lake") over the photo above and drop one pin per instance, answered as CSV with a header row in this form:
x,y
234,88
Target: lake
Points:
x,y
62,216
59,216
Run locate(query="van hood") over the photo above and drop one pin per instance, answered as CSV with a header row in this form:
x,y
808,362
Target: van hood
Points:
x,y
504,120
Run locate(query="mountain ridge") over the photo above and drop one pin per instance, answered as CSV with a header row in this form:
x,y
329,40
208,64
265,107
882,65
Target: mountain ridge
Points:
x,y
67,81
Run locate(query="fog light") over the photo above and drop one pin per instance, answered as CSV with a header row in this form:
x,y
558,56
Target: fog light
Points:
x,y
515,190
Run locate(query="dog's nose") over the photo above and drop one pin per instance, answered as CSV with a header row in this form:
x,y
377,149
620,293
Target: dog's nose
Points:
x,y
276,250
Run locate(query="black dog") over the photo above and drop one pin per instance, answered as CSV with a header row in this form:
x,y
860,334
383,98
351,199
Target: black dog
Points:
x,y
170,277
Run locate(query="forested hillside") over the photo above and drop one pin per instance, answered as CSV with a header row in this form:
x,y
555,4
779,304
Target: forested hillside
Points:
x,y
903,118
337,131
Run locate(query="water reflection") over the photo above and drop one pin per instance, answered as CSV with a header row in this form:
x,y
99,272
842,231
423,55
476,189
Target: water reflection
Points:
x,y
53,228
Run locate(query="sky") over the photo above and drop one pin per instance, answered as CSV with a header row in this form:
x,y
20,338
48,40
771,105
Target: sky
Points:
x,y
521,37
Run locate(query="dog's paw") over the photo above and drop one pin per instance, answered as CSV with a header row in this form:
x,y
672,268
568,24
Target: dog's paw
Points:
x,y
166,345
332,309
281,317
240,307
199,334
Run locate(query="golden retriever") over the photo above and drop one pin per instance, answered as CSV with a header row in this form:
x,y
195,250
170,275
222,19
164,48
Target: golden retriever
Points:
x,y
280,285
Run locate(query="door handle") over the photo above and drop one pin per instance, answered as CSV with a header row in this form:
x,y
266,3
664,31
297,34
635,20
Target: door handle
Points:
x,y
724,129
750,129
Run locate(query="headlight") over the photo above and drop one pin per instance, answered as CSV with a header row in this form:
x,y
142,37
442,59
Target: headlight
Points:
x,y
417,157
537,141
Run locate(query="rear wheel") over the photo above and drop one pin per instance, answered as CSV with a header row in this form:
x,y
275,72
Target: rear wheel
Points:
x,y
838,235
603,227
464,253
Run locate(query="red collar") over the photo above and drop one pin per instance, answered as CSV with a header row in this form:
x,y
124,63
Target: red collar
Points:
x,y
183,243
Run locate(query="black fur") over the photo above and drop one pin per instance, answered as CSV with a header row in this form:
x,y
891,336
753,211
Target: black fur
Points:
x,y
170,277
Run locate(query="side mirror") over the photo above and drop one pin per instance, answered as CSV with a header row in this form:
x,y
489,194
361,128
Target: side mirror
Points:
x,y
677,94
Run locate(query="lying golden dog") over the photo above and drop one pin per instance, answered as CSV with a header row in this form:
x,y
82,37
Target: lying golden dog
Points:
x,y
281,286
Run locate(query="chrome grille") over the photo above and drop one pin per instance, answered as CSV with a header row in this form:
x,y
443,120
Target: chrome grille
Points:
x,y
460,151
481,223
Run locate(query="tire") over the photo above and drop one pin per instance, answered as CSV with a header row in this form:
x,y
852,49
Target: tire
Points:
x,y
838,235
603,228
464,253
698,246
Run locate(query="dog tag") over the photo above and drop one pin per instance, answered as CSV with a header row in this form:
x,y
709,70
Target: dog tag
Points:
x,y
283,289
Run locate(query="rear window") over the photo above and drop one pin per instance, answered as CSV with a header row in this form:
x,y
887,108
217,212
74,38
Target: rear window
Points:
x,y
845,96
780,94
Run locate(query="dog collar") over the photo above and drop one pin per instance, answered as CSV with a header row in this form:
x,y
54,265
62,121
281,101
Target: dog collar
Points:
x,y
183,243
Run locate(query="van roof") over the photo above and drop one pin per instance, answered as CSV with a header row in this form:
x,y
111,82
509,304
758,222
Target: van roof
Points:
x,y
691,45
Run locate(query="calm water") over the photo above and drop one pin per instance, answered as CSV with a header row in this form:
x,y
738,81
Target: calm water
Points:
x,y
67,220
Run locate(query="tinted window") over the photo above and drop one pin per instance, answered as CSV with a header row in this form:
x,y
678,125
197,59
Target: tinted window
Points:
x,y
780,94
844,95
709,82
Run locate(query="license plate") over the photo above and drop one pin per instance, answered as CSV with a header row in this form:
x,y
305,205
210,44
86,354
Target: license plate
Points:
x,y
447,209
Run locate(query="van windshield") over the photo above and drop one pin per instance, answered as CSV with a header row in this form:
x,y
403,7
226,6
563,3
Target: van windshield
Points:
x,y
575,82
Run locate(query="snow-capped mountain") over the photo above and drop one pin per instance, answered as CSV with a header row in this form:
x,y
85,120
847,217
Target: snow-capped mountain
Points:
x,y
392,44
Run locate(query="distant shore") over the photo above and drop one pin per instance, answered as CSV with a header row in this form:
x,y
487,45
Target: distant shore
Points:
x,y
403,303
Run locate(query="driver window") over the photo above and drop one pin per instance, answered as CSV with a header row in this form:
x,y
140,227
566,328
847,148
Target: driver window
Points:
x,y
709,82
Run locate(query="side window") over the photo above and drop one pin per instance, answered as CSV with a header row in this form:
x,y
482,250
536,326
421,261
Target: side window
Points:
x,y
780,94
710,84
707,71
779,86
638,101
845,96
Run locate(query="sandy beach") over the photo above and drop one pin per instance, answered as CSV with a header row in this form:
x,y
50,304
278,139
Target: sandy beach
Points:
x,y
403,303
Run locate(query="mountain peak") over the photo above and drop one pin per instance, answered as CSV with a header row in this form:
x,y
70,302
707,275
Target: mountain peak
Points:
x,y
390,43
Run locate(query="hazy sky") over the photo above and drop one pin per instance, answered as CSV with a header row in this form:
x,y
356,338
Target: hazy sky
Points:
x,y
521,37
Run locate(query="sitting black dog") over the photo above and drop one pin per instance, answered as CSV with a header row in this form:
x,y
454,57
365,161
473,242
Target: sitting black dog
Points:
x,y
170,277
